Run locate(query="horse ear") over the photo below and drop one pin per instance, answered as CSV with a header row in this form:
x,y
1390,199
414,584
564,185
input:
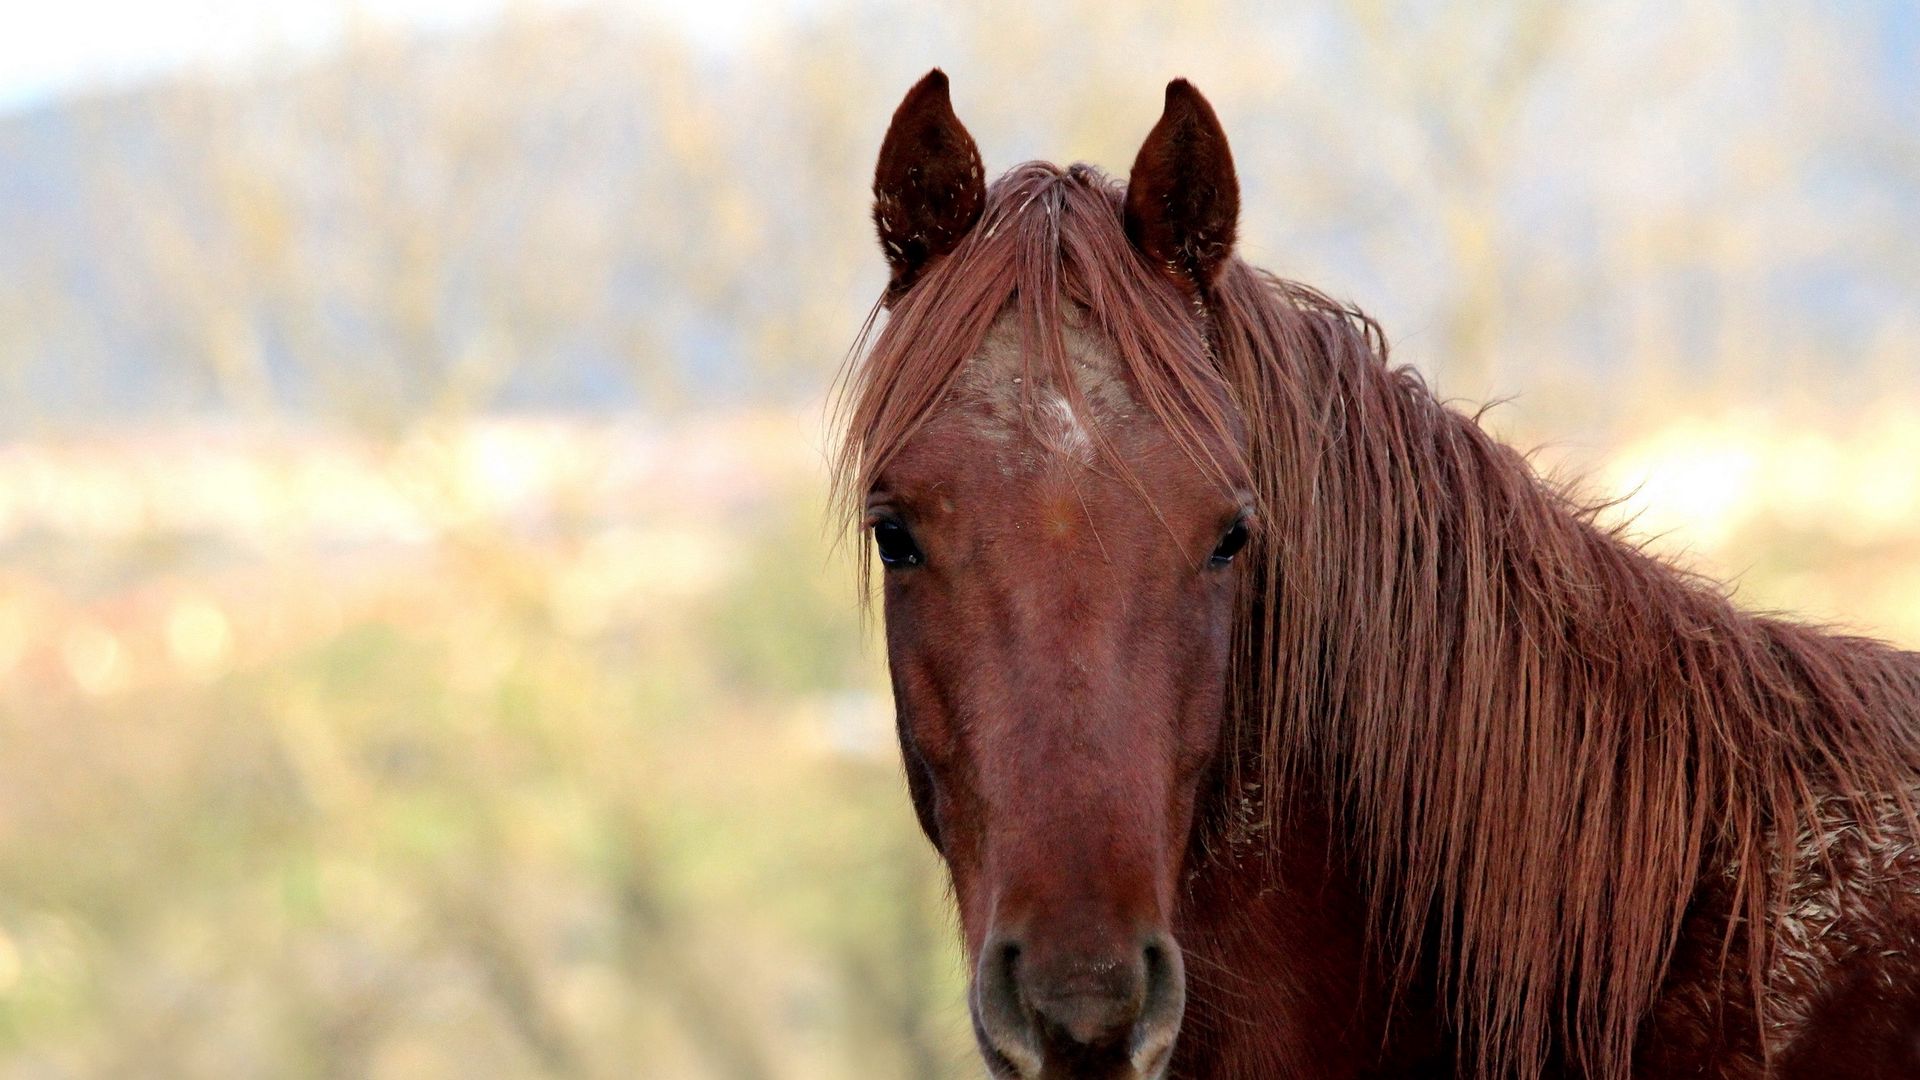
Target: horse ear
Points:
x,y
1183,200
928,189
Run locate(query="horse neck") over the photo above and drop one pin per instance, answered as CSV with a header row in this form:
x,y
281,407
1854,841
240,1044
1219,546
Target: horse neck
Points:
x,y
1584,726
1279,980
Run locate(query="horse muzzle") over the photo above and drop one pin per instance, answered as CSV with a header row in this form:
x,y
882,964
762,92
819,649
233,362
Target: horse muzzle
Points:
x,y
1103,1017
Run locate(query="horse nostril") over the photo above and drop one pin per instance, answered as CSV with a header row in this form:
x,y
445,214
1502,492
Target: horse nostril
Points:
x,y
1000,1017
1158,1024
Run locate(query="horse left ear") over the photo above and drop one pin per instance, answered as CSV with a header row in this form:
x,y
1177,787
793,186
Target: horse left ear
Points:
x,y
928,189
1183,199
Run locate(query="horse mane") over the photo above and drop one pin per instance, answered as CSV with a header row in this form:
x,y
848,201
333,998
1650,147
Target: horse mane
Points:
x,y
1536,737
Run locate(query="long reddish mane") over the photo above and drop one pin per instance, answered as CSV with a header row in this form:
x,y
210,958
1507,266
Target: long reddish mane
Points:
x,y
1535,736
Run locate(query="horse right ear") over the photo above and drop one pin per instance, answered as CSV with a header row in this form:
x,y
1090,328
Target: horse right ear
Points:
x,y
928,189
1183,199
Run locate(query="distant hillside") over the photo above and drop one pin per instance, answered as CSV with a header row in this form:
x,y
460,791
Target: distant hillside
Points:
x,y
582,211
566,213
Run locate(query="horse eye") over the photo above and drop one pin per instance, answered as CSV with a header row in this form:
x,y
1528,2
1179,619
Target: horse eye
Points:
x,y
895,544
1230,544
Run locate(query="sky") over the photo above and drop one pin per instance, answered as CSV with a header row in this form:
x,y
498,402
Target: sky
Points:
x,y
53,49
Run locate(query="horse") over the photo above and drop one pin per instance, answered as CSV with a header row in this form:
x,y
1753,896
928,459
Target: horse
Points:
x,y
1272,719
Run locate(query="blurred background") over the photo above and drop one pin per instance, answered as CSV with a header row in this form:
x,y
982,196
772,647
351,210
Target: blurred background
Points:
x,y
423,650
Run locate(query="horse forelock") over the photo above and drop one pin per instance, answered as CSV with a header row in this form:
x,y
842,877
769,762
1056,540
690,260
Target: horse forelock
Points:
x,y
1045,315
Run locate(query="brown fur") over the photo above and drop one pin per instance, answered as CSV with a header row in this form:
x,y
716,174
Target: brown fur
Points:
x,y
1577,792
928,186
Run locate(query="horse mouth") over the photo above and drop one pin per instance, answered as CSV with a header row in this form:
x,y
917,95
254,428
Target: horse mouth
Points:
x,y
1062,1059
1148,1066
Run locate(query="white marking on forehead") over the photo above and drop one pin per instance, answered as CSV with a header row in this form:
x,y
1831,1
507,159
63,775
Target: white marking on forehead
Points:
x,y
1013,396
1068,436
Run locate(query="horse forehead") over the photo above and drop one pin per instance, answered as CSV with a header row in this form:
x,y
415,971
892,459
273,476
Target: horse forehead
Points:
x,y
1038,415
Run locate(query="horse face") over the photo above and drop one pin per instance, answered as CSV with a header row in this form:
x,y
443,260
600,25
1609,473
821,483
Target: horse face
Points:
x,y
1060,591
1058,636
